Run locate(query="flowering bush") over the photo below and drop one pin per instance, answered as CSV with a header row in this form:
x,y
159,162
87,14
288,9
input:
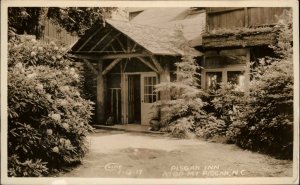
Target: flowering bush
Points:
x,y
262,119
267,118
47,119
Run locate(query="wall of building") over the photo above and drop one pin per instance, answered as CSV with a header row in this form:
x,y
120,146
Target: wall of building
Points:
x,y
57,34
228,18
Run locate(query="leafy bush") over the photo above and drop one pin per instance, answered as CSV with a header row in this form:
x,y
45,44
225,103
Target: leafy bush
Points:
x,y
47,118
184,110
225,104
267,119
262,119
213,127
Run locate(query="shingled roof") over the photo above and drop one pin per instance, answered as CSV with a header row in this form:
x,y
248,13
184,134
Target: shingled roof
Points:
x,y
191,20
161,41
158,41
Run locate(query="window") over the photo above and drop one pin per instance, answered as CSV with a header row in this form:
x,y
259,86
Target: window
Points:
x,y
225,65
149,93
213,80
237,78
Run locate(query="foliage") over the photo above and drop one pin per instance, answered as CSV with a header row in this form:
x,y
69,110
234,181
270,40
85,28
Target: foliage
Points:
x,y
226,102
27,168
269,124
74,19
78,19
47,119
238,31
262,119
213,127
184,111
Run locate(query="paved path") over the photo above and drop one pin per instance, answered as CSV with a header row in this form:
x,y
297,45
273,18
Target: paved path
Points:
x,y
119,154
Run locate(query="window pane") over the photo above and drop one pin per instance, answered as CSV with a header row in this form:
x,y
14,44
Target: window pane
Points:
x,y
213,80
149,94
154,98
150,99
237,78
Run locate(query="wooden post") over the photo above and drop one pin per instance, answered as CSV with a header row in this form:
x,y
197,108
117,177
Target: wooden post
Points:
x,y
165,77
246,17
165,95
100,94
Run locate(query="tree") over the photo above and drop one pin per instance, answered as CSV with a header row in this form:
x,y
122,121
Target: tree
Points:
x,y
185,109
75,20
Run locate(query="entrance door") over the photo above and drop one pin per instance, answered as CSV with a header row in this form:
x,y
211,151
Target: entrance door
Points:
x,y
134,99
148,97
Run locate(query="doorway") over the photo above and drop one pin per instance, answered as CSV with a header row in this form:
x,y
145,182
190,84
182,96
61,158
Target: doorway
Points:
x,y
149,97
134,99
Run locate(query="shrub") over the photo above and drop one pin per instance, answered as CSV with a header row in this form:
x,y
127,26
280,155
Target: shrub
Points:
x,y
262,119
185,110
47,119
226,104
213,127
266,122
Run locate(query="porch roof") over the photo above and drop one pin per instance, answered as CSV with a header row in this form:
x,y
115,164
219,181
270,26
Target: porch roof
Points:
x,y
154,40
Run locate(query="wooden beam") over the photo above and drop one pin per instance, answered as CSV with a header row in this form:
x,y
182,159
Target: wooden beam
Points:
x,y
84,55
156,63
147,63
124,55
90,38
246,17
90,66
101,40
113,39
128,44
223,11
165,95
111,65
133,48
100,94
112,47
122,46
165,77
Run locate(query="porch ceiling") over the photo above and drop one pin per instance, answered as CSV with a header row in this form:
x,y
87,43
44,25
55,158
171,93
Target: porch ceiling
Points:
x,y
126,39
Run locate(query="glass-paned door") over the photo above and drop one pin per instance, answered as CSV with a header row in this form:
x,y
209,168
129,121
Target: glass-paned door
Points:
x,y
149,96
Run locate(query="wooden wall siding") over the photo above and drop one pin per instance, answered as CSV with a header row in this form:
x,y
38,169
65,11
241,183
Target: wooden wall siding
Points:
x,y
262,16
228,18
54,33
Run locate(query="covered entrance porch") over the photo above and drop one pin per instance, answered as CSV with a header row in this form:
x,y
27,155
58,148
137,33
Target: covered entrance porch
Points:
x,y
128,60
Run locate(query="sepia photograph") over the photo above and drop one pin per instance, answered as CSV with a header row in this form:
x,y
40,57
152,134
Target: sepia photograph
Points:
x,y
131,92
